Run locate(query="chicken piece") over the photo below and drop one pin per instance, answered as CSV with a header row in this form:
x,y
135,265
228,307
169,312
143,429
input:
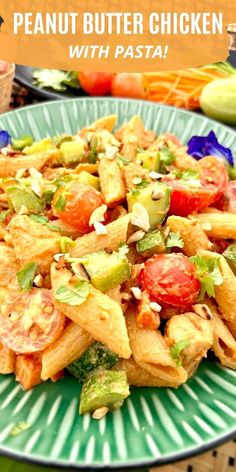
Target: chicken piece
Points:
x,y
28,370
34,242
195,329
131,172
7,360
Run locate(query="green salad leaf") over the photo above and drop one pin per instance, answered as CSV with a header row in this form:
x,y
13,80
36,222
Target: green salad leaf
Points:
x,y
58,80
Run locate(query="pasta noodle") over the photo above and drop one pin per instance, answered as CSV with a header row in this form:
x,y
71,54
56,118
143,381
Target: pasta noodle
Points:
x,y
192,234
218,224
111,181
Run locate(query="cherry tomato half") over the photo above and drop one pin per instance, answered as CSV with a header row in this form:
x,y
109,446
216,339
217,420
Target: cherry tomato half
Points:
x,y
186,198
95,83
31,322
75,203
170,279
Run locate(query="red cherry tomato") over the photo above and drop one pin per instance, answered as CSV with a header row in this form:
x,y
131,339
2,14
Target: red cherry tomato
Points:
x,y
186,198
170,279
75,203
31,322
95,83
129,86
230,197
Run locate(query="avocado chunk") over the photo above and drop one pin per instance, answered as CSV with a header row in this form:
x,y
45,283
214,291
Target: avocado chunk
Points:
x,y
39,146
152,243
150,160
103,388
24,197
230,256
95,356
106,270
155,197
89,179
21,143
71,152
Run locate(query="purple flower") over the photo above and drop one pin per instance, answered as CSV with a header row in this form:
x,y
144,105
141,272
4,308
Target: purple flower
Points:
x,y
5,139
201,146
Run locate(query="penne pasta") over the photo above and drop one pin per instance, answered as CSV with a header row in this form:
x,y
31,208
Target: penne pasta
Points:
x,y
116,234
101,316
139,377
151,352
132,134
111,181
192,234
106,122
66,349
8,269
225,293
218,224
9,166
224,344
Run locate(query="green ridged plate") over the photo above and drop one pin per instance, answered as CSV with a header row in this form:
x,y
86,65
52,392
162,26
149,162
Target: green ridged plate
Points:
x,y
155,425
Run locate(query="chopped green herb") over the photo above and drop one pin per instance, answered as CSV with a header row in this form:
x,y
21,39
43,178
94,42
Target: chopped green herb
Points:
x,y
4,215
60,203
26,276
43,220
19,428
122,160
73,296
230,256
64,242
174,240
186,174
166,158
143,183
123,250
48,196
93,153
176,350
208,273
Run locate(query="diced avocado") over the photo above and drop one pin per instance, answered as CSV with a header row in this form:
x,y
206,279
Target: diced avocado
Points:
x,y
150,160
71,152
230,256
106,270
103,388
95,356
152,243
89,179
21,143
60,139
39,146
155,197
24,197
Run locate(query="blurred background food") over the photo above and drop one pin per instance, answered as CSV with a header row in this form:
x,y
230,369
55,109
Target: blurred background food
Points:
x,y
211,88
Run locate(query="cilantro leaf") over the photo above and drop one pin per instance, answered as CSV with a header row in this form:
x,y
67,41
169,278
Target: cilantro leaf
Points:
x,y
122,160
123,250
43,220
166,158
19,428
64,242
176,350
26,276
144,183
73,296
174,240
189,174
208,273
4,214
60,203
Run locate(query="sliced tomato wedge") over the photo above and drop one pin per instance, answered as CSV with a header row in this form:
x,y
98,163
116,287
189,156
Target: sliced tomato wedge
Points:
x,y
187,198
170,279
31,322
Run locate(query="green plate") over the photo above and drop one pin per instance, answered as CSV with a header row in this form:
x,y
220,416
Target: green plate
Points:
x,y
155,425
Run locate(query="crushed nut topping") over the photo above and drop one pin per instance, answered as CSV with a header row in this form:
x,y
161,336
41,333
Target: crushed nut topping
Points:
x,y
135,237
98,215
140,217
100,228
